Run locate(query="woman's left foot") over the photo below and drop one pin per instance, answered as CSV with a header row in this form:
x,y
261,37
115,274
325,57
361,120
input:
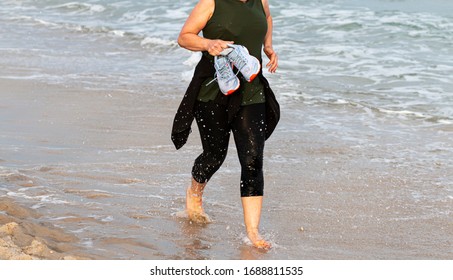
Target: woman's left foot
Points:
x,y
258,241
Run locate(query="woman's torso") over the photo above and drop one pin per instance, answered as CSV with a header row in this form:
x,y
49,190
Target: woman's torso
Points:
x,y
245,24
242,22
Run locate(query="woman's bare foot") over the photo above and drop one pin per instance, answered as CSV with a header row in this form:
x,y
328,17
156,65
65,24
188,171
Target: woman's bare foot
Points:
x,y
194,203
258,241
252,212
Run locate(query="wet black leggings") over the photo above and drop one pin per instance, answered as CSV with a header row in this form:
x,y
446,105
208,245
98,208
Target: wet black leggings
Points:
x,y
249,136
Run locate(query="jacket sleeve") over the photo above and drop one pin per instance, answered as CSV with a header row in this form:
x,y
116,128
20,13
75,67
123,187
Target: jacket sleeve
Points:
x,y
272,108
185,115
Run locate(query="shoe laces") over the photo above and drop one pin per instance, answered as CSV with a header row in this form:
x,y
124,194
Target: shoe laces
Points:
x,y
239,58
224,72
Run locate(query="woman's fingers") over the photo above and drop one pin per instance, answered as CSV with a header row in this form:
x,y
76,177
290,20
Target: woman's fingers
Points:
x,y
273,62
215,47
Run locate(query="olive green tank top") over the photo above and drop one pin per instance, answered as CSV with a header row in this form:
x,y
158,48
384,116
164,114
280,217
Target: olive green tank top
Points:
x,y
245,24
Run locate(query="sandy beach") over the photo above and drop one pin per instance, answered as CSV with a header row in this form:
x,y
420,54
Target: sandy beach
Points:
x,y
93,174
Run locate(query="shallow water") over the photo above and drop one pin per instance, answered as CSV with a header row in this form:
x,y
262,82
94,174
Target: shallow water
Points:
x,y
362,158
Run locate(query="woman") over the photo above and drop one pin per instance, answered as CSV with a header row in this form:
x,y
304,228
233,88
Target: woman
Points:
x,y
251,112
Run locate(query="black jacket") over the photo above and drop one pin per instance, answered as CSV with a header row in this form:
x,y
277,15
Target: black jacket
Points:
x,y
185,114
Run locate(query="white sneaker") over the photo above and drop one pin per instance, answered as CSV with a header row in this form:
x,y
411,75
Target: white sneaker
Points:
x,y
227,80
248,65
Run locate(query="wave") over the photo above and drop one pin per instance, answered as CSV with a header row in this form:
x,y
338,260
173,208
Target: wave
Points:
x,y
143,40
153,41
80,7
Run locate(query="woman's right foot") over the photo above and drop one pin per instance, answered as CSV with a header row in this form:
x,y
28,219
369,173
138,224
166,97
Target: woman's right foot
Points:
x,y
194,207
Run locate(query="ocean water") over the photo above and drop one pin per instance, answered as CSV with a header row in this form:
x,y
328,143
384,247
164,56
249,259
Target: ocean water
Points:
x,y
392,57
366,90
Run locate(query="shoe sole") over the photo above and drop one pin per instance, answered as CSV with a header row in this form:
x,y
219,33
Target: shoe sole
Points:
x,y
254,75
231,91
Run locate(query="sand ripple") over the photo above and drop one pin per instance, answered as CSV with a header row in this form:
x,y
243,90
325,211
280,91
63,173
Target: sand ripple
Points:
x,y
21,238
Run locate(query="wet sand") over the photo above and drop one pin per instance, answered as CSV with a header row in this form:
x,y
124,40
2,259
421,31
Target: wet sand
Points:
x,y
50,124
104,181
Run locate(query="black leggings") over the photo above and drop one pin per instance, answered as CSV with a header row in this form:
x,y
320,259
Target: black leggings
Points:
x,y
248,128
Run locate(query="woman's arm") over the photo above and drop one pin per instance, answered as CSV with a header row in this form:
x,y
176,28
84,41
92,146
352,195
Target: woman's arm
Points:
x,y
268,48
189,38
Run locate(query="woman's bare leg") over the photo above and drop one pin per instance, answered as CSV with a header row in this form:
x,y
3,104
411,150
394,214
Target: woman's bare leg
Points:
x,y
252,212
194,203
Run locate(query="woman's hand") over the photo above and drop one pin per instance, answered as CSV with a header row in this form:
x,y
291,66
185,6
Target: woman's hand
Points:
x,y
273,59
215,47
